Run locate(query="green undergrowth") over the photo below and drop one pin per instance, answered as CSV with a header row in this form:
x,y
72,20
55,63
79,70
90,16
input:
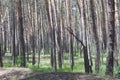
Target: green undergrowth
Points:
x,y
45,66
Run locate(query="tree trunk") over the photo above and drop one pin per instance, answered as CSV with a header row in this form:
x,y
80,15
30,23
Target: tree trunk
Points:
x,y
70,35
5,38
50,13
54,22
1,62
12,25
118,32
95,35
104,24
59,37
110,37
21,34
87,64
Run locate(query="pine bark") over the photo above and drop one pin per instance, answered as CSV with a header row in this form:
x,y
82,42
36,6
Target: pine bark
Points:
x,y
118,31
12,25
87,65
110,37
21,34
70,35
59,37
95,35
1,62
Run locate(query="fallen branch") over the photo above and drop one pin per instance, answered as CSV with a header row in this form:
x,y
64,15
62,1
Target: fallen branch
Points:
x,y
71,32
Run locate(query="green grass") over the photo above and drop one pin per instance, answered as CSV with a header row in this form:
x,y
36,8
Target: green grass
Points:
x,y
42,68
46,67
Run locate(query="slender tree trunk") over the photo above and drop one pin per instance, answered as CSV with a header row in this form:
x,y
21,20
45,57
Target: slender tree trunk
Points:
x,y
110,37
88,67
59,40
95,34
50,7
21,34
80,26
104,24
34,13
33,47
27,48
1,62
39,47
118,31
54,22
71,52
70,36
12,25
5,38
39,36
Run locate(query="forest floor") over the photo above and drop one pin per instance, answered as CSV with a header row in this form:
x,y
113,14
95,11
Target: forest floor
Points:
x,y
27,74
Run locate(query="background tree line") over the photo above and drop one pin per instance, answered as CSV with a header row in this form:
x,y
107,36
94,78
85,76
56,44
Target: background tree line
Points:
x,y
59,27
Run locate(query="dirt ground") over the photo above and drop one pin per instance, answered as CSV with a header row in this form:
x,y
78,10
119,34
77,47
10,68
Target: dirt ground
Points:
x,y
66,76
27,74
14,73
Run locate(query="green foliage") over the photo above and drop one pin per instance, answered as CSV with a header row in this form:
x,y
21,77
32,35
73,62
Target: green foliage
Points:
x,y
118,74
7,64
45,66
76,55
7,61
66,56
117,71
18,60
102,70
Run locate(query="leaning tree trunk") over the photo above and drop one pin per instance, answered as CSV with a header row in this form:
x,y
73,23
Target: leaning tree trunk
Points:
x,y
110,37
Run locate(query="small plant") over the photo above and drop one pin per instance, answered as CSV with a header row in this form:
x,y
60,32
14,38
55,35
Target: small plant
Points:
x,y
8,64
18,60
118,72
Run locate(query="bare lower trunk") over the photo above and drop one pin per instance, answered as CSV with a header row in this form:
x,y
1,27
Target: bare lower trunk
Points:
x,y
95,35
21,35
12,25
1,62
87,65
111,34
118,32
